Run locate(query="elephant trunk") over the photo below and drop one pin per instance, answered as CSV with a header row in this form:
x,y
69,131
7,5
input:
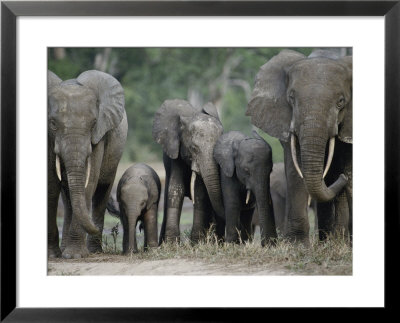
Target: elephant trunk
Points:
x,y
265,215
312,150
133,212
211,179
77,167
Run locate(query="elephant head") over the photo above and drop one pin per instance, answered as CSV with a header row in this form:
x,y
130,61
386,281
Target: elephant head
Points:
x,y
80,112
190,134
309,102
251,160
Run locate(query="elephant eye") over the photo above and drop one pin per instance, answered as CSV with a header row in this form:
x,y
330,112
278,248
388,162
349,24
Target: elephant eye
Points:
x,y
53,125
340,103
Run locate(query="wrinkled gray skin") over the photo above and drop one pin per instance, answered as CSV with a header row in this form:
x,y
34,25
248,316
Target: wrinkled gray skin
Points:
x,y
278,195
246,164
138,194
310,98
87,130
187,136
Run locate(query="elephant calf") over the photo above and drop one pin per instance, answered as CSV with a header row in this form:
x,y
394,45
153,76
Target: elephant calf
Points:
x,y
246,165
138,194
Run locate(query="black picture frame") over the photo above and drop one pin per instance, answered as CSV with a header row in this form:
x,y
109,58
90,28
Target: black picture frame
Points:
x,y
10,10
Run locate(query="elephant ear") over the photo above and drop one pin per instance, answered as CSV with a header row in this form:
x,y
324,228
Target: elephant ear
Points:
x,y
52,80
268,107
111,101
211,110
225,151
346,130
167,125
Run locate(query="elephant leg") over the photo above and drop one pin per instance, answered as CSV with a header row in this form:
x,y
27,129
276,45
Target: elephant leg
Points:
x,y
53,248
245,224
125,228
298,225
325,214
233,205
67,218
150,227
220,227
349,195
99,204
279,205
132,223
349,187
342,215
202,211
76,241
175,192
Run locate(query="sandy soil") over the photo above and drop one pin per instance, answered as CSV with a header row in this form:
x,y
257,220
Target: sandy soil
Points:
x,y
121,265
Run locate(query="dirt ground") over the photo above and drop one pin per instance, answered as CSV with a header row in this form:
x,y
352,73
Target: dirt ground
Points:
x,y
121,265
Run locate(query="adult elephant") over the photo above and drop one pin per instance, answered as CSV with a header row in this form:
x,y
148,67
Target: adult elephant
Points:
x,y
188,136
246,164
87,129
306,102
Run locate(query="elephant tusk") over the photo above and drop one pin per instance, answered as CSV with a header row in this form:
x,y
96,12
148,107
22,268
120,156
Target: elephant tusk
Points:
x,y
330,156
247,197
309,201
294,154
192,181
87,172
58,167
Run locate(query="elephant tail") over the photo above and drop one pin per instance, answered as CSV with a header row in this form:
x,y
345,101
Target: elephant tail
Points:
x,y
113,208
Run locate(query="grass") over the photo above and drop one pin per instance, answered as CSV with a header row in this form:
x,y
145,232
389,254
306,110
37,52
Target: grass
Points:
x,y
333,256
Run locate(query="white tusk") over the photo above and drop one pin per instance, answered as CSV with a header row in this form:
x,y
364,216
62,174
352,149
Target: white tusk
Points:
x,y
192,181
247,197
294,154
87,172
58,167
309,201
330,156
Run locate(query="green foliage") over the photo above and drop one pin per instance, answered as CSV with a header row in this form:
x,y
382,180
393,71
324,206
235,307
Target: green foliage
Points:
x,y
224,76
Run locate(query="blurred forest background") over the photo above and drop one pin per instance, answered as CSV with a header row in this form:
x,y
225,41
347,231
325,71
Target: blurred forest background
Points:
x,y
224,76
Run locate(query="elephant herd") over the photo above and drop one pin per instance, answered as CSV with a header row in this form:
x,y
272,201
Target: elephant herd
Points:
x,y
305,102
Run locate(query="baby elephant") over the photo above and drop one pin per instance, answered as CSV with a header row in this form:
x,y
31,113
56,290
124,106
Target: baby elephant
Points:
x,y
246,165
138,194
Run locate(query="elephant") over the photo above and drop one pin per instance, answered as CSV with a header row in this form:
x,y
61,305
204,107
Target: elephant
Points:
x,y
87,129
188,136
306,102
278,195
246,164
138,194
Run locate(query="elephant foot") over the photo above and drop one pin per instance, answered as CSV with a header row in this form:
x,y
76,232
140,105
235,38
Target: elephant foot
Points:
x,y
130,252
95,248
54,252
269,242
94,245
75,252
299,240
196,237
172,236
